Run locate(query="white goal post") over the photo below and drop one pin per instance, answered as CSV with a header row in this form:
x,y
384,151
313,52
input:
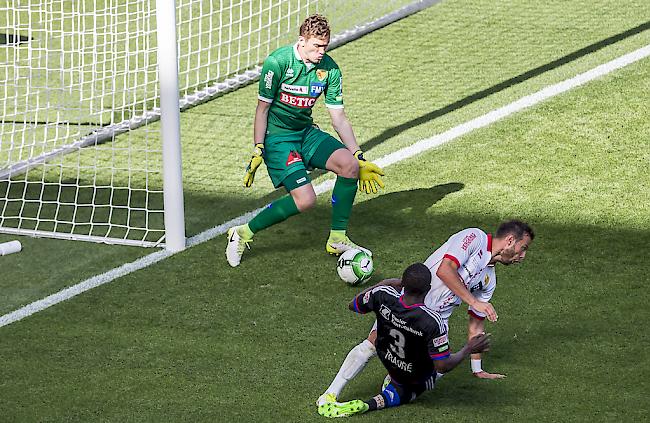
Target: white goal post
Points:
x,y
90,138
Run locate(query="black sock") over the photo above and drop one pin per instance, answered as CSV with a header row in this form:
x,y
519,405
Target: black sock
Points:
x,y
376,403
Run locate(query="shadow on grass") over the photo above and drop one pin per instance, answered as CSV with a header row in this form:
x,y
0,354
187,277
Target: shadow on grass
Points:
x,y
390,214
479,95
399,209
279,323
78,207
81,207
577,282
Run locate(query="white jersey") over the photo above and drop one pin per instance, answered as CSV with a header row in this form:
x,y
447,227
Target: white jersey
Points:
x,y
470,249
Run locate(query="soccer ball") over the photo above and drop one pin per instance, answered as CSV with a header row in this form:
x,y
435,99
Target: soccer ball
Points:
x,y
354,266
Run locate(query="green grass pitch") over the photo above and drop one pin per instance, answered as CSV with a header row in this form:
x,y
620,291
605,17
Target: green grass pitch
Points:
x,y
190,339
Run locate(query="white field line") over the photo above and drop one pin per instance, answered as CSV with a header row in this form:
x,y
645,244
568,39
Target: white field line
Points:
x,y
323,187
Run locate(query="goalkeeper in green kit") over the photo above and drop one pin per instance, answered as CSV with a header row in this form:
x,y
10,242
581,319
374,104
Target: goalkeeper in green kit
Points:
x,y
286,139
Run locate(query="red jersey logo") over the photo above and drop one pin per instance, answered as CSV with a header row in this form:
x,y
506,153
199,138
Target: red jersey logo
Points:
x,y
294,157
301,102
468,240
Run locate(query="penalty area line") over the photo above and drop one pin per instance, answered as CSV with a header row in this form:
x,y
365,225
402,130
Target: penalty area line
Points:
x,y
395,157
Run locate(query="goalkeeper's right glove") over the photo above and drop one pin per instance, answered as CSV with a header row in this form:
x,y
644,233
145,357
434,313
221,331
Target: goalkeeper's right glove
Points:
x,y
369,174
253,164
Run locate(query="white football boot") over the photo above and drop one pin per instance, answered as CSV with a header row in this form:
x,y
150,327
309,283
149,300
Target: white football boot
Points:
x,y
236,246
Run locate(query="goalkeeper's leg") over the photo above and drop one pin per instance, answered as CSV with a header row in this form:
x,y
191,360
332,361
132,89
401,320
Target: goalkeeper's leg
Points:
x,y
332,155
301,197
346,168
343,194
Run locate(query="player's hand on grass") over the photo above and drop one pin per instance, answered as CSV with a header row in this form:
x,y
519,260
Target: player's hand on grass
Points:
x,y
479,343
485,375
369,174
487,309
253,164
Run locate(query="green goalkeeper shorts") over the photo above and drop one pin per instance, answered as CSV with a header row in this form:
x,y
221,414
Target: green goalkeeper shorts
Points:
x,y
284,156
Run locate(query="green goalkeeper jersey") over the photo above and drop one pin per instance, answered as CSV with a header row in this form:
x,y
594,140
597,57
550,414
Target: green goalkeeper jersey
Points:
x,y
292,87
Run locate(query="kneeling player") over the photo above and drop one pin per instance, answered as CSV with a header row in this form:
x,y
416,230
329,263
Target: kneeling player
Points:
x,y
411,342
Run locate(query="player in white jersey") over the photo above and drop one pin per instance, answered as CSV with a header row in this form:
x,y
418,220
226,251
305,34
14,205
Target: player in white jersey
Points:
x,y
462,270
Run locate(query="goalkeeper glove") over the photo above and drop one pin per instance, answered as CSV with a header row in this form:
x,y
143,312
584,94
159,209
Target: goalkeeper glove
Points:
x,y
255,162
368,174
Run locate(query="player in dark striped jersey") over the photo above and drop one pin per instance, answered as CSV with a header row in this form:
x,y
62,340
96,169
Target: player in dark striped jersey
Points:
x,y
411,342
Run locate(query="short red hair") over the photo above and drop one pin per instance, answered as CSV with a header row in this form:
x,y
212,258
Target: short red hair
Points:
x,y
315,26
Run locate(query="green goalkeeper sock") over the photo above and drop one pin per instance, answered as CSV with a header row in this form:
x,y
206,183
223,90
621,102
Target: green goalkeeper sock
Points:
x,y
276,212
345,189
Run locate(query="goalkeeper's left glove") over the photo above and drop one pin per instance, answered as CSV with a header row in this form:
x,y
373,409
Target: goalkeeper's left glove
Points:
x,y
368,174
256,160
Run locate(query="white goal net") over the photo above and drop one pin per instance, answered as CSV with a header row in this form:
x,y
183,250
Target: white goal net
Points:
x,y
81,153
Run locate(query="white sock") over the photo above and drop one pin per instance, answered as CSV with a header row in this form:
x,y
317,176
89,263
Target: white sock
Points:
x,y
352,365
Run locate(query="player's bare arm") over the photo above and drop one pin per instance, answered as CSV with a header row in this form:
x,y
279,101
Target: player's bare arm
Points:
x,y
259,131
448,273
342,162
476,327
479,343
342,126
261,121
